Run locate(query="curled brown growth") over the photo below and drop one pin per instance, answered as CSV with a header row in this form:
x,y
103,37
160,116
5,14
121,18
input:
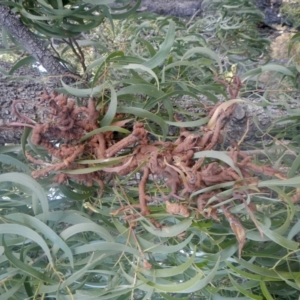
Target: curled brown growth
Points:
x,y
174,162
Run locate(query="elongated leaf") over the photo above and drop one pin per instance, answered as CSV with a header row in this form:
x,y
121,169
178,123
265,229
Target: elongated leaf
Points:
x,y
25,135
31,184
99,2
156,248
29,60
204,51
164,50
268,67
43,229
92,92
222,107
214,187
80,273
279,239
160,99
295,229
10,292
144,89
248,275
170,230
71,217
83,227
105,161
145,114
265,291
190,286
103,129
88,170
28,233
143,68
291,182
112,108
223,254
244,291
220,156
8,149
106,247
251,73
75,196
196,123
266,272
98,62
277,68
170,271
101,63
15,162
129,12
188,63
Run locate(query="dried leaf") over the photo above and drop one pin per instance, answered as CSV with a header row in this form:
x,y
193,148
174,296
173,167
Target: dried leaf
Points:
x,y
121,123
296,196
237,228
177,209
147,265
223,107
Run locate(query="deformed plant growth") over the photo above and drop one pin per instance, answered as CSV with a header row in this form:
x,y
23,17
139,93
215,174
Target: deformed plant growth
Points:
x,y
70,136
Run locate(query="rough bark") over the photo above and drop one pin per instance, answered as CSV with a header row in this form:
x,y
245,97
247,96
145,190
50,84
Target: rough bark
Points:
x,y
181,8
31,43
187,8
10,90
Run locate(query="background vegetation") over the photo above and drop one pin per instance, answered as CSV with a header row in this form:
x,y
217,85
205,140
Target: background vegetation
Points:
x,y
61,241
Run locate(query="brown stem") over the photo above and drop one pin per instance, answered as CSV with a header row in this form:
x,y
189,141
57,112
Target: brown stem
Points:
x,y
142,192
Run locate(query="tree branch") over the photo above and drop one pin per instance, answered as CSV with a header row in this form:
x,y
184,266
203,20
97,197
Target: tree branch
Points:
x,y
32,44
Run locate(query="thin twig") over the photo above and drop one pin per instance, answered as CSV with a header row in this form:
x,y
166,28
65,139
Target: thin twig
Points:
x,y
82,59
193,17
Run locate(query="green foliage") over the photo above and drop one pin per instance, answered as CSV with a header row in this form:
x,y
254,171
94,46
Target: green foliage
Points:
x,y
235,29
63,242
65,19
291,12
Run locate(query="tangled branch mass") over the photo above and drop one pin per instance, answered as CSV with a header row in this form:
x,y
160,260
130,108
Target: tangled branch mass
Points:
x,y
173,162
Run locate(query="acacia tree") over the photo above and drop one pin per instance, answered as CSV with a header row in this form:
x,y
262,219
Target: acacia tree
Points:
x,y
124,197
